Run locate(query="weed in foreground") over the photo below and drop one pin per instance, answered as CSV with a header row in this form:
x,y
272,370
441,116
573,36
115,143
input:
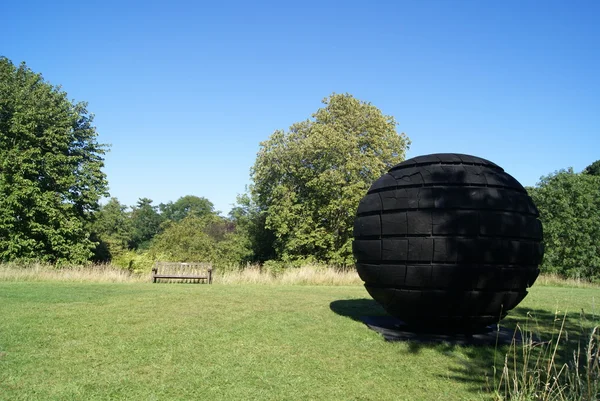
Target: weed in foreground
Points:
x,y
534,370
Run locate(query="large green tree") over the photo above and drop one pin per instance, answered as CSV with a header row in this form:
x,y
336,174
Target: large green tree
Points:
x,y
569,206
112,230
51,175
250,223
146,222
308,181
188,205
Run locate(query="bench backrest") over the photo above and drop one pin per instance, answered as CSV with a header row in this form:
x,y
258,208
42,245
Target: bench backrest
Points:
x,y
182,268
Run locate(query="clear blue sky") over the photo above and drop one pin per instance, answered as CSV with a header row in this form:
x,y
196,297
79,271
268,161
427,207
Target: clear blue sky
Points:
x,y
185,91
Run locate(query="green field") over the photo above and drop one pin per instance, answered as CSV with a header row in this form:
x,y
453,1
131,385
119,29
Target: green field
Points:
x,y
82,341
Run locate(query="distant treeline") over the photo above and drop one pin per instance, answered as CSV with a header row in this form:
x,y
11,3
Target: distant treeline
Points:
x,y
569,205
186,230
305,187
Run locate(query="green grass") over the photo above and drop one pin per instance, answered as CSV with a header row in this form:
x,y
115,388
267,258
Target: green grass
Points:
x,y
106,341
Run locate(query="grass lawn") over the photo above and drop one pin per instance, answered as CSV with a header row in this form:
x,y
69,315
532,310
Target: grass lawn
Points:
x,y
86,341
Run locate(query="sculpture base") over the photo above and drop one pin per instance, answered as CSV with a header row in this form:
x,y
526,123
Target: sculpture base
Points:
x,y
393,329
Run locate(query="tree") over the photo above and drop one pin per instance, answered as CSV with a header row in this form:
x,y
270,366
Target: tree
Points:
x,y
186,206
146,222
569,206
308,182
593,169
112,230
209,238
250,223
51,175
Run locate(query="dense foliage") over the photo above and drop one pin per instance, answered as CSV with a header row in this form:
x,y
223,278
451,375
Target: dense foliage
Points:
x,y
210,238
593,169
188,205
250,223
146,222
51,175
185,230
112,230
307,182
569,206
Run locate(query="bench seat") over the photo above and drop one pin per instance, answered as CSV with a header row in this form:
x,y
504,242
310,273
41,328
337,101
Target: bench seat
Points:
x,y
182,277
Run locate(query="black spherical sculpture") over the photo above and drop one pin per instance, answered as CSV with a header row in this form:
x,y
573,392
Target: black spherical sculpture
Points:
x,y
448,242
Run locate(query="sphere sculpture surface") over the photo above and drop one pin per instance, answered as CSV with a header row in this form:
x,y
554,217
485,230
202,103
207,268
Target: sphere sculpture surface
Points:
x,y
447,241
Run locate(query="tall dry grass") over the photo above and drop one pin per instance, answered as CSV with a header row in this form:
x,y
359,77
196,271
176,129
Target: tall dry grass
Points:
x,y
251,274
305,275
556,280
92,273
532,371
310,274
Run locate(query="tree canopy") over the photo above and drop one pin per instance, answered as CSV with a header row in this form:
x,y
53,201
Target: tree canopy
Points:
x,y
593,169
126,236
112,230
186,206
51,175
146,222
569,206
250,223
209,238
308,181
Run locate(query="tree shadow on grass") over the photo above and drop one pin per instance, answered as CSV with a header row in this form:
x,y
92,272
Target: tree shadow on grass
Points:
x,y
475,364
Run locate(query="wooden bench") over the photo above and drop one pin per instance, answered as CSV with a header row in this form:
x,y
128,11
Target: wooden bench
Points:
x,y
182,271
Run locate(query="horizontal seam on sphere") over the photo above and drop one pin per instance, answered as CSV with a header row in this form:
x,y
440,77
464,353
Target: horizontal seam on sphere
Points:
x,y
419,164
416,209
446,185
480,265
451,291
445,236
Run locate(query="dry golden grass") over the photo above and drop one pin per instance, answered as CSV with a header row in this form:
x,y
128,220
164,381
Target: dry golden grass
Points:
x,y
93,273
556,280
251,274
305,275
